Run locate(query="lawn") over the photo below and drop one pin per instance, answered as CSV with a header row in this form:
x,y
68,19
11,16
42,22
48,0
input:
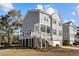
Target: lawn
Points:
x,y
33,52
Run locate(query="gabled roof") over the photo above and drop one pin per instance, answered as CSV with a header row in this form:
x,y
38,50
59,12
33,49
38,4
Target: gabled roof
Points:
x,y
39,10
69,23
44,12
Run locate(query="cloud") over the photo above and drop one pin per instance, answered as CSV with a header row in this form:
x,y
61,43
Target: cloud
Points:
x,y
6,6
77,6
39,6
73,20
48,8
76,11
65,21
73,13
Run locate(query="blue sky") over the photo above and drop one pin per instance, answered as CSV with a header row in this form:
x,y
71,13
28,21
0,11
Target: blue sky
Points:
x,y
68,12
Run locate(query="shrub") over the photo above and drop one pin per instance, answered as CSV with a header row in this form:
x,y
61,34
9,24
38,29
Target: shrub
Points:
x,y
74,44
57,46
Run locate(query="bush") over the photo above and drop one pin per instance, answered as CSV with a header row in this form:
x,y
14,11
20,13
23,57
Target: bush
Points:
x,y
57,46
71,45
74,44
66,42
50,47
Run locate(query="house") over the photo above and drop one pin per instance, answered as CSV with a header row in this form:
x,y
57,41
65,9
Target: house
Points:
x,y
77,29
77,37
40,29
77,34
69,31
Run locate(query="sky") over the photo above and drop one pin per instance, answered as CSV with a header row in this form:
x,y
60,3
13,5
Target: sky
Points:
x,y
67,11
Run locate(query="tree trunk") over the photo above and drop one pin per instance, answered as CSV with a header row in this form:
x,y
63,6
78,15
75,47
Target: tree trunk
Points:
x,y
8,38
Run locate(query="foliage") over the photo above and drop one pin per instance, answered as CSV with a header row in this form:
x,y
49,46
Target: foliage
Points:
x,y
8,22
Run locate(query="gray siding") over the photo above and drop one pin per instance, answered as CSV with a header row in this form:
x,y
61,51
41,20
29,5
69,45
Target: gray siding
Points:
x,y
65,32
30,19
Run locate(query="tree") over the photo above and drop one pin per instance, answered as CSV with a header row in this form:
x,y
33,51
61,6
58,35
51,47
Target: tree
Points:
x,y
17,16
8,23
6,28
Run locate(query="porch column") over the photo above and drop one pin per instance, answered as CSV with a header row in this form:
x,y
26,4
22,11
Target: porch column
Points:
x,y
31,42
45,43
22,43
37,42
41,43
34,42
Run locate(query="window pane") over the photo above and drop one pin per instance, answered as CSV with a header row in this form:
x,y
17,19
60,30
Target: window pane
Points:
x,y
59,23
54,20
60,32
36,28
54,31
45,18
48,29
42,28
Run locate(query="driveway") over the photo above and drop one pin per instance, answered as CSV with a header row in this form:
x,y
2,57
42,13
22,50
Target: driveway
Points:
x,y
70,47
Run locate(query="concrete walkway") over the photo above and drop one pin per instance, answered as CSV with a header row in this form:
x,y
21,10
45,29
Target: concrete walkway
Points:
x,y
69,47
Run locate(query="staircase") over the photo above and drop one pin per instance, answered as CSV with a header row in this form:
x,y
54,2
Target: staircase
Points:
x,y
46,36
49,41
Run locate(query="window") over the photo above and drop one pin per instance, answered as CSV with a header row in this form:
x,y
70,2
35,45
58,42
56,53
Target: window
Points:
x,y
28,33
54,21
36,28
45,18
59,23
60,32
42,28
48,29
54,31
21,33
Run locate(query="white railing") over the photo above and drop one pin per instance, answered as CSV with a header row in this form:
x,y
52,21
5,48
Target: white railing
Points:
x,y
42,35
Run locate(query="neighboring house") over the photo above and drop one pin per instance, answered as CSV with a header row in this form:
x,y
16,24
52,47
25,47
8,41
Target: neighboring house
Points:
x,y
77,37
41,29
78,30
77,34
69,32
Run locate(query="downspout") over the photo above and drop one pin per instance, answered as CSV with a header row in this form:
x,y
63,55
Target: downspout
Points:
x,y
51,29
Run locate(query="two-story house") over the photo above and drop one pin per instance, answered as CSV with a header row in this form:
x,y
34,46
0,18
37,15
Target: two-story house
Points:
x,y
41,29
69,32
